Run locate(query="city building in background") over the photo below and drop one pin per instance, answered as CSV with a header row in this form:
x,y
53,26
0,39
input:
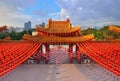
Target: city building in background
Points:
x,y
15,29
42,25
27,25
19,29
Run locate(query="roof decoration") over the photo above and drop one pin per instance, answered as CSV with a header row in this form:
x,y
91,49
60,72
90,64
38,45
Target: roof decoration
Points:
x,y
58,27
3,28
114,28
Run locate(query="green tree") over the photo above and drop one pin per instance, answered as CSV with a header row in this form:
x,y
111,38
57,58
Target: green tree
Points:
x,y
16,36
3,35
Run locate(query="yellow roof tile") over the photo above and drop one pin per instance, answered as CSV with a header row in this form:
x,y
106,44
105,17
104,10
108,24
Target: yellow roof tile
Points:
x,y
58,27
114,28
3,28
59,39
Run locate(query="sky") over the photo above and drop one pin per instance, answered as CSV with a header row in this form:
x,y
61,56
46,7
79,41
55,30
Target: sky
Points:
x,y
84,13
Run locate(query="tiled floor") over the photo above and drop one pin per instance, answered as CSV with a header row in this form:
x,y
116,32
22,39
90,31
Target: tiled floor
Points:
x,y
67,72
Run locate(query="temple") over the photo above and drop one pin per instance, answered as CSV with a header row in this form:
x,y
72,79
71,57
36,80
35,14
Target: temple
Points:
x,y
30,49
114,28
58,32
3,28
59,28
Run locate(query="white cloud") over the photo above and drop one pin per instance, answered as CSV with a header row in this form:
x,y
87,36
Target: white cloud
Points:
x,y
11,12
80,8
87,12
62,15
80,12
20,8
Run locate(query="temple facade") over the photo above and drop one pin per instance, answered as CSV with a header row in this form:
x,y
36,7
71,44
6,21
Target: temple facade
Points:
x,y
58,33
3,28
14,53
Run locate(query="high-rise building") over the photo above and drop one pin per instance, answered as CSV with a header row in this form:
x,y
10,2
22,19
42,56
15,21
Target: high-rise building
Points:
x,y
43,24
19,29
27,25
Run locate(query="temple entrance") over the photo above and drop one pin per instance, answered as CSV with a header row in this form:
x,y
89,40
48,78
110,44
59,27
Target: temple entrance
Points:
x,y
56,53
59,54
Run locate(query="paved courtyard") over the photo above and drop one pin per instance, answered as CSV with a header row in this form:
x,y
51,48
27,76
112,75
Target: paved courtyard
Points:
x,y
67,72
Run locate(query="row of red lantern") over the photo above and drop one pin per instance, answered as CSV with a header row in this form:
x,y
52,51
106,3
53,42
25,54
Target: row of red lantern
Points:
x,y
103,53
15,55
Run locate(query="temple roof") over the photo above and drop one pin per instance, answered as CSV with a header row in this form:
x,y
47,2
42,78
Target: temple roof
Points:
x,y
58,27
7,38
43,39
3,28
114,28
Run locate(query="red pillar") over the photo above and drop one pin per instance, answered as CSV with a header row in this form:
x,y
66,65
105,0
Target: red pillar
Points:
x,y
38,56
78,54
70,53
79,57
47,53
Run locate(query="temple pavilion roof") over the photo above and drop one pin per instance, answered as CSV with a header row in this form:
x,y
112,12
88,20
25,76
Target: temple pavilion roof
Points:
x,y
58,27
44,39
114,28
58,32
3,28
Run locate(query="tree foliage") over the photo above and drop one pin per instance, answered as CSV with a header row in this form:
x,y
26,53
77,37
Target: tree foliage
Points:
x,y
102,34
3,35
15,35
99,34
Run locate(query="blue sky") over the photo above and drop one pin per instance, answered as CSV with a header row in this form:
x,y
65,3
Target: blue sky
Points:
x,y
42,8
81,12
